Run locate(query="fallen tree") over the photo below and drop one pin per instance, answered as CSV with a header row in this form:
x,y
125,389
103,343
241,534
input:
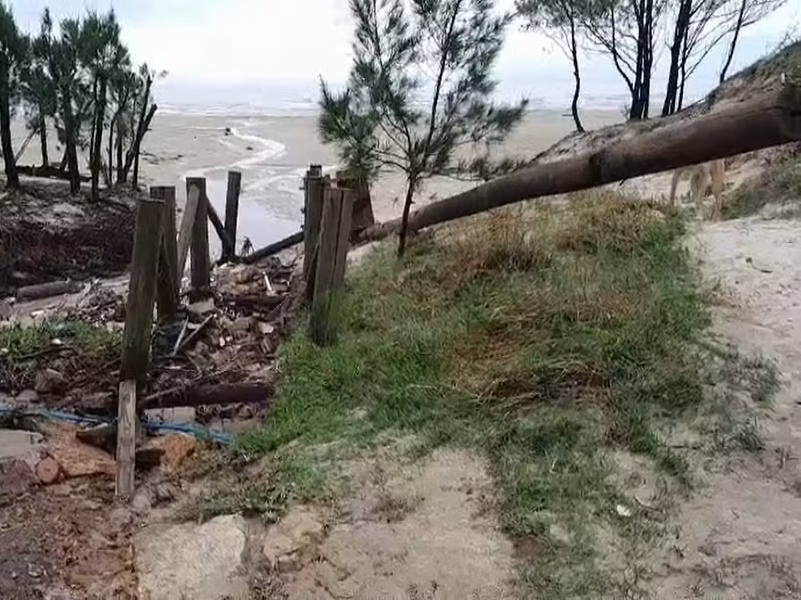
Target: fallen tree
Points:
x,y
770,120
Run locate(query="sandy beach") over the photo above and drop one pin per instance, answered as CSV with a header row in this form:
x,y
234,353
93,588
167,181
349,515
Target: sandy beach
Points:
x,y
273,153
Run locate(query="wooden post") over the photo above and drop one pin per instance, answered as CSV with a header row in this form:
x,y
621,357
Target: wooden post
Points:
x,y
126,439
322,322
169,283
142,290
343,237
232,212
200,264
187,223
314,187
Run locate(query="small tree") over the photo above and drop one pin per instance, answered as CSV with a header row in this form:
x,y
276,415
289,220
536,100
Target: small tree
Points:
x,y
561,20
13,61
418,91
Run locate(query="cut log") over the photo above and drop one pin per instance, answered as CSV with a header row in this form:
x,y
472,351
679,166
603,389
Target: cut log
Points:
x,y
46,290
770,120
267,251
47,470
240,393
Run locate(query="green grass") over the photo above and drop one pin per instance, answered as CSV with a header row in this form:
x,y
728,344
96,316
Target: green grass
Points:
x,y
778,185
545,339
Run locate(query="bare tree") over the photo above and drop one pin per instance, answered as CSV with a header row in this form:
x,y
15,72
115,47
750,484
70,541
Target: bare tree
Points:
x,y
627,31
747,13
561,20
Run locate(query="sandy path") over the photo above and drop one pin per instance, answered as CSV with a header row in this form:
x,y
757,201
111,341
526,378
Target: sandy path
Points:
x,y
741,534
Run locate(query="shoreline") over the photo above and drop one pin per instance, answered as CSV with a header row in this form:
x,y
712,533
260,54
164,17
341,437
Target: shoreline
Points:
x,y
273,153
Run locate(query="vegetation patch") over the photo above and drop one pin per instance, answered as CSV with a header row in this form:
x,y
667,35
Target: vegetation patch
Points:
x,y
779,185
550,339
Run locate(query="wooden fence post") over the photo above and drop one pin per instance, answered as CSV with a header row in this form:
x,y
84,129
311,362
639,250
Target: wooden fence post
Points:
x,y
142,290
314,194
343,237
187,223
232,212
126,439
200,263
169,282
322,322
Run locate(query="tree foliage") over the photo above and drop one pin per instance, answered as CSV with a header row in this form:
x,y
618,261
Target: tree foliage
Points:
x,y
419,90
76,77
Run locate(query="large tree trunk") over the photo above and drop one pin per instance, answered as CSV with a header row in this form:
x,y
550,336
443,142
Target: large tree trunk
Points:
x,y
100,114
12,177
767,121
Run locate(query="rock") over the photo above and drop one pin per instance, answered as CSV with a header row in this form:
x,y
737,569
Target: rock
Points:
x,y
50,381
202,307
16,478
294,540
242,324
266,328
176,449
22,445
48,470
26,397
202,562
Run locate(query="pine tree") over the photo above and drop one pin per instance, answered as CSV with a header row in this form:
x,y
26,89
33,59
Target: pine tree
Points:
x,y
419,90
14,52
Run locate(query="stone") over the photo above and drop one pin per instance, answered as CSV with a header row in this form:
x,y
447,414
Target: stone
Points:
x,y
202,562
50,381
242,324
26,397
176,448
22,445
294,540
16,478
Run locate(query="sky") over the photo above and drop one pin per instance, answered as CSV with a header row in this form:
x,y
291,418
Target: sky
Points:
x,y
288,44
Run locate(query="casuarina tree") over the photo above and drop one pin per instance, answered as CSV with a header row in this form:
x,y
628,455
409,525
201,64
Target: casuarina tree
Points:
x,y
419,90
13,60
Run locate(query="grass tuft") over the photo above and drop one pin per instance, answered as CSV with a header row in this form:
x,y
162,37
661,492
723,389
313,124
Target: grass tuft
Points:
x,y
778,185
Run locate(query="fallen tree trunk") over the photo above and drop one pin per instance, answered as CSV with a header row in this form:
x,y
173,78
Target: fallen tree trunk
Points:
x,y
47,290
771,120
240,393
256,256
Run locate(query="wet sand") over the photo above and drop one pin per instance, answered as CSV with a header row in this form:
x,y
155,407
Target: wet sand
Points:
x,y
273,153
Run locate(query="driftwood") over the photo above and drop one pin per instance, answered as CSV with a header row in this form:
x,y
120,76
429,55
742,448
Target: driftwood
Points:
x,y
46,290
770,120
262,253
239,393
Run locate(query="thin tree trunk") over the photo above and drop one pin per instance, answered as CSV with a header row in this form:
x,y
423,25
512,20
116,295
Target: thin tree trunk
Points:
x,y
735,37
111,151
71,144
100,109
576,75
12,177
407,205
138,146
120,165
43,139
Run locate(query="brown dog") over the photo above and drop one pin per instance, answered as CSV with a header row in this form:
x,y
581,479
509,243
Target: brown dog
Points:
x,y
701,177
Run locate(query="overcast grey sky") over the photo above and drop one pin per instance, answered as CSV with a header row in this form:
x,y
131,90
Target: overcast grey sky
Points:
x,y
292,42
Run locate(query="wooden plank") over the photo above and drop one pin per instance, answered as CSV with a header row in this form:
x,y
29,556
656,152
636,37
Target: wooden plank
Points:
x,y
169,284
214,219
232,212
187,223
343,237
142,290
126,440
200,262
321,324
768,120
